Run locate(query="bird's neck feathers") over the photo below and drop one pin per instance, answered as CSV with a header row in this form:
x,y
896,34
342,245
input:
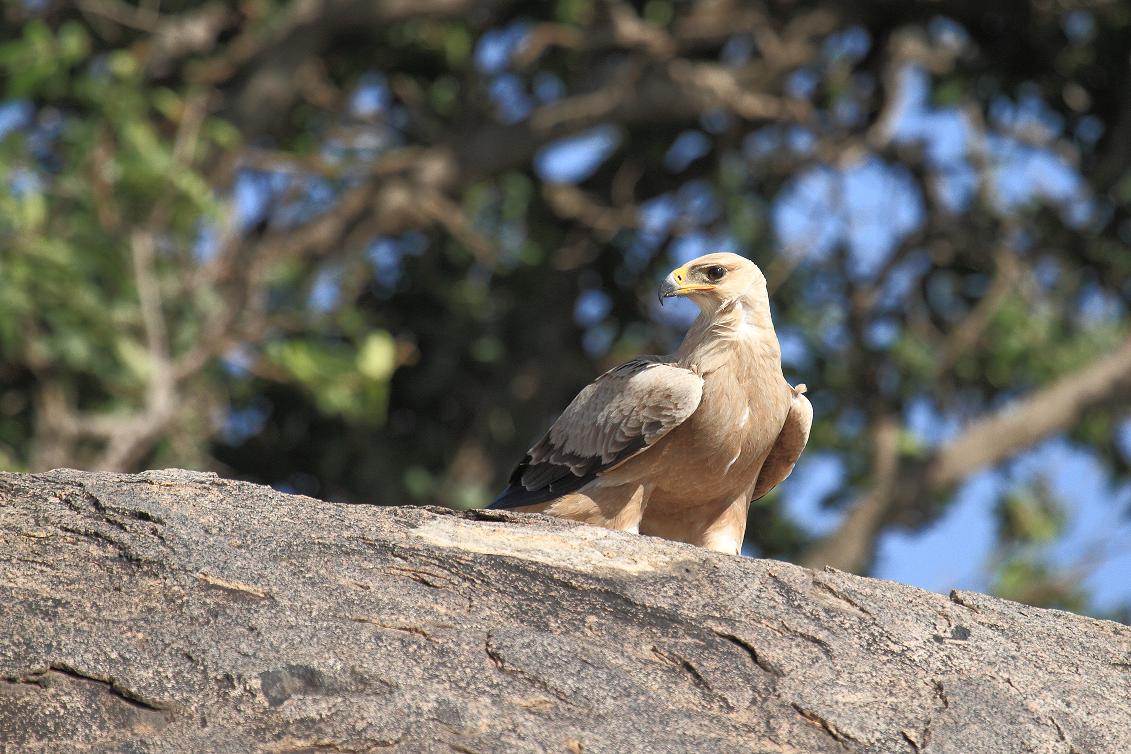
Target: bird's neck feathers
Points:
x,y
739,328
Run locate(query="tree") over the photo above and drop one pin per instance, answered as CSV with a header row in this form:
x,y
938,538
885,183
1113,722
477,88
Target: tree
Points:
x,y
367,250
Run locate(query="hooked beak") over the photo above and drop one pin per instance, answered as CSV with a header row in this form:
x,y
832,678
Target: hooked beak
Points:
x,y
674,285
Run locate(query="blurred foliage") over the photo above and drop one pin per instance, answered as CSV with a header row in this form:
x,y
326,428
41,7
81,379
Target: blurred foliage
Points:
x,y
367,251
1030,520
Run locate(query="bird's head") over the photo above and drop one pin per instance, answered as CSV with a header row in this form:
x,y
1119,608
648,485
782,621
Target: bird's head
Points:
x,y
713,279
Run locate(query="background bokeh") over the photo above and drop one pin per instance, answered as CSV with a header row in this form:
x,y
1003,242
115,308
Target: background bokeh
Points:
x,y
366,251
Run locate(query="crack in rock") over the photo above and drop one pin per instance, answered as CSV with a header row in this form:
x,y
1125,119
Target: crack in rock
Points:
x,y
697,678
749,649
853,604
816,719
503,666
133,698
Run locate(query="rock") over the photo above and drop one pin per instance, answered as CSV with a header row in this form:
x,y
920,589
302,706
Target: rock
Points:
x,y
173,611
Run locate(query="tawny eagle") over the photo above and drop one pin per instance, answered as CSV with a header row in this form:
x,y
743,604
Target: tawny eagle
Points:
x,y
678,446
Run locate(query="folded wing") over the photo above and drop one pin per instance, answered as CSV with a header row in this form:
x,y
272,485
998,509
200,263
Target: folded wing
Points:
x,y
787,448
617,416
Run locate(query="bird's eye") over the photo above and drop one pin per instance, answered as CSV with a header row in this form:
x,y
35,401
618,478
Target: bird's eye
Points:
x,y
715,272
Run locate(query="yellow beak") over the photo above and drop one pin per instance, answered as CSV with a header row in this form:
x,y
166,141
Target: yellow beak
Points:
x,y
675,284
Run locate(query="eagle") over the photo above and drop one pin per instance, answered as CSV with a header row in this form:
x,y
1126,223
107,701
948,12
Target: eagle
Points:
x,y
678,446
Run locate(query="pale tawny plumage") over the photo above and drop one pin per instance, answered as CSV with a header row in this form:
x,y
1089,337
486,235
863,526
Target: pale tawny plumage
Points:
x,y
678,446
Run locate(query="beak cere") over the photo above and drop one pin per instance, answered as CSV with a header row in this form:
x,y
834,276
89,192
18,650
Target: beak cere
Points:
x,y
676,284
673,284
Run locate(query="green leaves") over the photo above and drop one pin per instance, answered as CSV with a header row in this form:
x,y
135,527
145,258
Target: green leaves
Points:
x,y
25,208
102,155
1037,582
577,12
1030,521
1030,516
38,62
345,379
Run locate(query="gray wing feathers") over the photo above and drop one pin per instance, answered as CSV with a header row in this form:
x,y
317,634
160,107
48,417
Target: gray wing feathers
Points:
x,y
619,415
634,404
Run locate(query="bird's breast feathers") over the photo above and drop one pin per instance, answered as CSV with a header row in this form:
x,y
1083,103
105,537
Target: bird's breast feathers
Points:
x,y
740,422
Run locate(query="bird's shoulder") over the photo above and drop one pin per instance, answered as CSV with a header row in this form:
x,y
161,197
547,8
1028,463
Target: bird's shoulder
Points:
x,y
643,385
641,364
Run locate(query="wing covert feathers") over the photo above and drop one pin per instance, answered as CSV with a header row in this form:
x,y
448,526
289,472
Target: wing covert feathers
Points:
x,y
787,448
618,415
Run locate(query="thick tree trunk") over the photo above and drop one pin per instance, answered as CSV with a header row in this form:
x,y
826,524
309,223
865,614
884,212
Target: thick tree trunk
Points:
x,y
173,611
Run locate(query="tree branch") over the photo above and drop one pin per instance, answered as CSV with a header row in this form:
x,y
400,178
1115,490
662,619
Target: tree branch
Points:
x,y
1043,414
984,443
853,541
